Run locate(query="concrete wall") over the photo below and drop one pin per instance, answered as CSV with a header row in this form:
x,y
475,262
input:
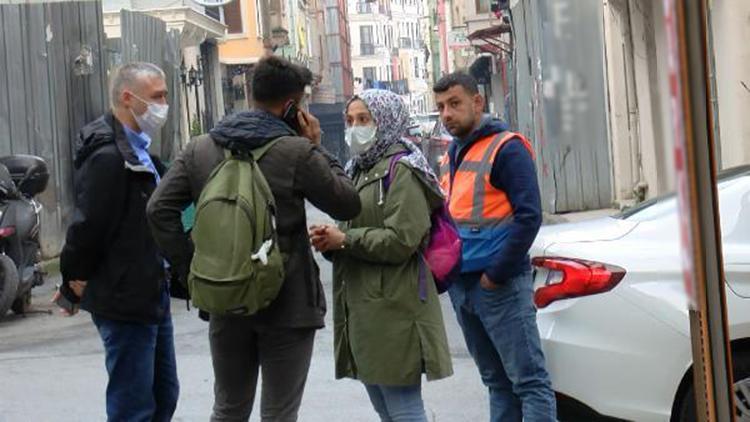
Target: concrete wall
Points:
x,y
623,105
642,136
45,101
638,91
731,32
560,100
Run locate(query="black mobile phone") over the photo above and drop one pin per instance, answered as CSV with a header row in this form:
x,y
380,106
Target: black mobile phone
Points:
x,y
290,116
64,303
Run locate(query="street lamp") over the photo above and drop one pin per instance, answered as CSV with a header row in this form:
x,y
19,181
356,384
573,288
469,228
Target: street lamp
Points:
x,y
192,78
184,80
191,75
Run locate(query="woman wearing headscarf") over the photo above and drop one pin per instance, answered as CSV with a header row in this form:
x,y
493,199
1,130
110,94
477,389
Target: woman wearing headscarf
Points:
x,y
388,324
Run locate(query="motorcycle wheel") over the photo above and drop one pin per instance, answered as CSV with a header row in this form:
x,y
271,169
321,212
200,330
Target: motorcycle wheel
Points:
x,y
8,284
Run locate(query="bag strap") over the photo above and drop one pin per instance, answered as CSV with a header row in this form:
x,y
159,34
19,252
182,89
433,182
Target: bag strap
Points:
x,y
257,153
392,168
422,276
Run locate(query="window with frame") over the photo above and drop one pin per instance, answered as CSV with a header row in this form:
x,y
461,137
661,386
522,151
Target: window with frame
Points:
x,y
366,42
368,74
233,17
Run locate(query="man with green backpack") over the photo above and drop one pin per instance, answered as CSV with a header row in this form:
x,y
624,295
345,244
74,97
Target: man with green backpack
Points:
x,y
250,265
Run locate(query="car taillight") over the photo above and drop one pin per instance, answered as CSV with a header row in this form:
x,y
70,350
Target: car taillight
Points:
x,y
7,231
569,277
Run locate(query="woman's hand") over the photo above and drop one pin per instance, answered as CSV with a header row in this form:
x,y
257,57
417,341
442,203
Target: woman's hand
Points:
x,y
327,238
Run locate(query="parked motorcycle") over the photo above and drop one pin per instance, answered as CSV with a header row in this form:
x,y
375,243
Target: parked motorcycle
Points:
x,y
22,177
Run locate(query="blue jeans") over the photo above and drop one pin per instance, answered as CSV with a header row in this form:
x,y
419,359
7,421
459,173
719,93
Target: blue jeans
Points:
x,y
140,361
501,334
397,403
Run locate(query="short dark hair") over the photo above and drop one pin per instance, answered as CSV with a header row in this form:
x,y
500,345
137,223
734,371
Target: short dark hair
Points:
x,y
459,78
276,79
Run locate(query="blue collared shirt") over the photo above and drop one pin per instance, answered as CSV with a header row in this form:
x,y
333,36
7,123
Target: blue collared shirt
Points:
x,y
140,143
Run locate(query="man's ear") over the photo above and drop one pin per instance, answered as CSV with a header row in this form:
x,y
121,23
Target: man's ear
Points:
x,y
126,98
479,102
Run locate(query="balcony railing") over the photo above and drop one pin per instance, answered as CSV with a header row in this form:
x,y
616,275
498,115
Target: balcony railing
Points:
x,y
400,87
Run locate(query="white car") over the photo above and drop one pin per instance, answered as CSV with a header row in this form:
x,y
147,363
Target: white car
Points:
x,y
613,310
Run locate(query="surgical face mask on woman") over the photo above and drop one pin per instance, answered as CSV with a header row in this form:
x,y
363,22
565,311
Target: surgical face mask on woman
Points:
x,y
153,118
360,138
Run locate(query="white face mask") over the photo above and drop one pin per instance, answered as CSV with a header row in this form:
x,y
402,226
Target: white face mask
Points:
x,y
153,119
360,138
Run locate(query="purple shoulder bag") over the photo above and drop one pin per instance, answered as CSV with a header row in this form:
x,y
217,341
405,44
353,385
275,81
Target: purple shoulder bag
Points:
x,y
442,255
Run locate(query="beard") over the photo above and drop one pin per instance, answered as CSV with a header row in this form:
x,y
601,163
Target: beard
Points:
x,y
461,131
463,128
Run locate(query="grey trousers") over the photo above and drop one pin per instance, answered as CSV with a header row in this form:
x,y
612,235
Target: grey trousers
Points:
x,y
239,348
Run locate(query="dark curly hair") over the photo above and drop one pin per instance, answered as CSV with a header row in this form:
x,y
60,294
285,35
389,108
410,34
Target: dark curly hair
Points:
x,y
276,80
459,78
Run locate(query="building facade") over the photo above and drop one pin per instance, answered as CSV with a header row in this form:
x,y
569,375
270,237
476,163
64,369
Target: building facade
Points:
x,y
338,44
390,49
311,33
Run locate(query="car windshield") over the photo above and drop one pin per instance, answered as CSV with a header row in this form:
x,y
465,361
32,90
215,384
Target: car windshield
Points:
x,y
654,205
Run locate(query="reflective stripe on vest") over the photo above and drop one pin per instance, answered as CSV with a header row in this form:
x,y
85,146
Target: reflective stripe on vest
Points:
x,y
473,201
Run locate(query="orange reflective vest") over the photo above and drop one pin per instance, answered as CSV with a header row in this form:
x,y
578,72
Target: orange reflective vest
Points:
x,y
471,197
479,209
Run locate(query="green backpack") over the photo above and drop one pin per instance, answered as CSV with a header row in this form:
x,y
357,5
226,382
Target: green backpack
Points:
x,y
237,267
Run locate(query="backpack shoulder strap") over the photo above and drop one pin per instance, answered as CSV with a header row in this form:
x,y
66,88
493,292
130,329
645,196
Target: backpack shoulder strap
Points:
x,y
392,168
256,153
259,152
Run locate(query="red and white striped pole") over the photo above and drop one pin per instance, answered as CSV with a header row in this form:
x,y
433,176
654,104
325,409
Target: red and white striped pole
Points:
x,y
686,24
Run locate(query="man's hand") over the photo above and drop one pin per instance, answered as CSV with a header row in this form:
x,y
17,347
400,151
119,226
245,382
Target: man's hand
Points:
x,y
77,287
317,236
486,283
309,127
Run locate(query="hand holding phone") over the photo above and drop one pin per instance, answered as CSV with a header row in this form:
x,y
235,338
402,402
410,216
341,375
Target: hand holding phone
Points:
x,y
291,116
67,307
304,123
310,127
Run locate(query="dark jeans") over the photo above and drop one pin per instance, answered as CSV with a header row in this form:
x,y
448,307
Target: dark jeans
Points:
x,y
397,403
501,333
240,348
140,361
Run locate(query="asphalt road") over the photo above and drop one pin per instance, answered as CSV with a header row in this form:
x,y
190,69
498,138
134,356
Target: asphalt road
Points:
x,y
52,369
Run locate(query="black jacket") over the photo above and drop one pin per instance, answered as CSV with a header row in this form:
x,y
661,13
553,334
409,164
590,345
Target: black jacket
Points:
x,y
296,172
108,242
